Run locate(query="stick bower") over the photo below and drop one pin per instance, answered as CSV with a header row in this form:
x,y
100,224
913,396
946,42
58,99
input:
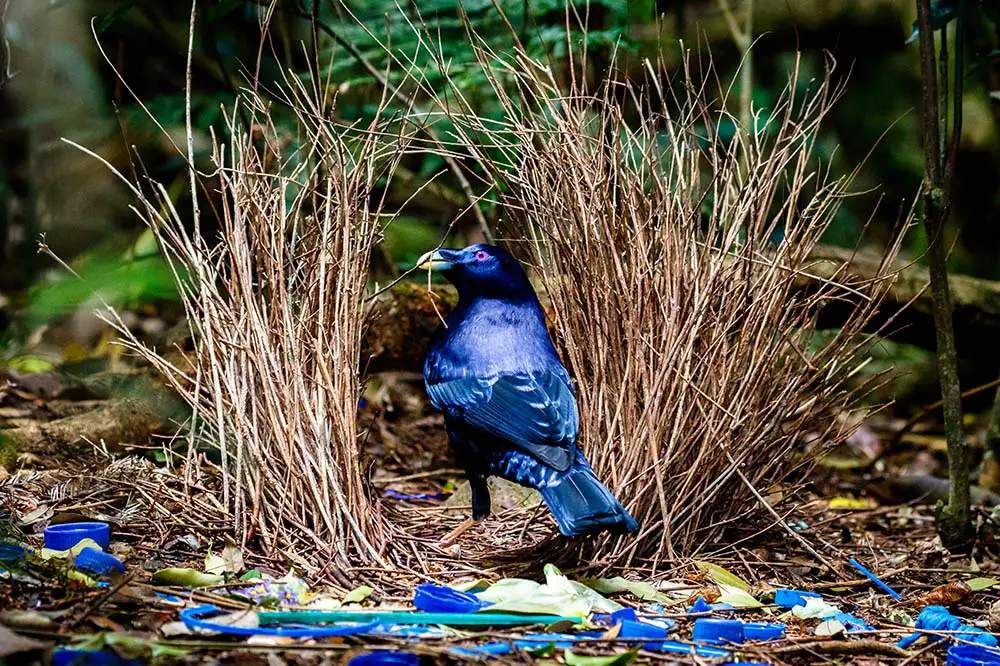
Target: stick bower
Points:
x,y
701,388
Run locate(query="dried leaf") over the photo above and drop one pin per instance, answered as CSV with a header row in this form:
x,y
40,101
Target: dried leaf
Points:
x,y
615,585
721,576
946,595
186,577
11,643
851,504
230,561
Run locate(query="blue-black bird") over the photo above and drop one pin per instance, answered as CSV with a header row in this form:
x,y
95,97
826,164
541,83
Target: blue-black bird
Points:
x,y
508,401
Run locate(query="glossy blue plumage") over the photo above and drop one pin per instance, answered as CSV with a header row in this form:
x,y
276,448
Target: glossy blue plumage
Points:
x,y
508,401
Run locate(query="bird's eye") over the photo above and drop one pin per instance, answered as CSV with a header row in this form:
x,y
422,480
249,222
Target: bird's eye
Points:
x,y
482,255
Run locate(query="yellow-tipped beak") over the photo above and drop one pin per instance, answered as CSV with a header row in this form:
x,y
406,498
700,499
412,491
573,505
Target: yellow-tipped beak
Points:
x,y
433,261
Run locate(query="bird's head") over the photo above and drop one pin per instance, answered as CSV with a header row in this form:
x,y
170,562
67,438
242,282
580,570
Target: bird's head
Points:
x,y
480,270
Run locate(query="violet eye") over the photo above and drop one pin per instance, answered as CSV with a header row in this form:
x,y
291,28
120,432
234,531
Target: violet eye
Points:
x,y
482,255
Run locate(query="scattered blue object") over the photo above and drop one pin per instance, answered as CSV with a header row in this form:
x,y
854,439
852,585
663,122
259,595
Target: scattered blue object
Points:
x,y
937,618
432,598
972,655
676,647
712,630
852,623
700,606
875,579
67,535
70,657
98,562
395,494
763,631
194,618
624,614
792,598
11,551
385,658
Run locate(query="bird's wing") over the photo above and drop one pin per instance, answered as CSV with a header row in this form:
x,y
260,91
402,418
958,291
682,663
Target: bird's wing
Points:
x,y
535,412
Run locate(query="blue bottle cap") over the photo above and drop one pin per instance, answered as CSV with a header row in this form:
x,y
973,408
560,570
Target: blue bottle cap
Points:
x,y
67,535
385,658
972,655
634,629
712,630
792,598
95,561
763,631
439,599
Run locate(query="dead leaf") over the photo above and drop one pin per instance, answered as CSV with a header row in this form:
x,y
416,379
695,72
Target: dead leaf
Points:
x,y
11,643
945,595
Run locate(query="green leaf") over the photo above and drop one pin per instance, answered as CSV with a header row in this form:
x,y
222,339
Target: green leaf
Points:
x,y
357,595
736,597
638,589
183,577
721,576
980,584
253,574
573,659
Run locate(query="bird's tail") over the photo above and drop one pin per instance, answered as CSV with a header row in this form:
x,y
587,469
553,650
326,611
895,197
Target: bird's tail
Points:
x,y
581,504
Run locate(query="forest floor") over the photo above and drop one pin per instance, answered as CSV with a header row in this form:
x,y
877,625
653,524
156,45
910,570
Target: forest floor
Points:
x,y
871,501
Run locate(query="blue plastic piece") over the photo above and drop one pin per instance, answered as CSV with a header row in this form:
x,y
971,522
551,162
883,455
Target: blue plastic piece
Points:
x,y
67,535
676,647
98,562
792,598
700,606
385,658
875,579
70,657
624,614
712,630
11,551
763,631
440,599
193,618
852,623
972,655
484,650
937,618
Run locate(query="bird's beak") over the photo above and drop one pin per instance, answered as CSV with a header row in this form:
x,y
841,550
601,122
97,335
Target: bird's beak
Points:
x,y
434,261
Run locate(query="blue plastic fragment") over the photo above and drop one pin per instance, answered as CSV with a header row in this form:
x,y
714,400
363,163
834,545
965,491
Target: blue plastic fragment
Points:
x,y
385,658
972,655
67,535
432,598
11,551
98,562
193,618
700,606
484,650
792,598
71,657
763,631
172,598
712,630
852,623
395,494
937,618
875,579
624,614
676,647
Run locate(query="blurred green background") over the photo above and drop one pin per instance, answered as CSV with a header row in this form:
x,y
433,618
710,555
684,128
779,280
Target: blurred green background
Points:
x,y
61,86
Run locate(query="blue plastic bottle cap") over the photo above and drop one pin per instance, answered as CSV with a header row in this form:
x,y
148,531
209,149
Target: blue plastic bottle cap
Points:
x,y
763,631
711,630
95,561
385,658
634,629
972,655
439,599
67,535
792,598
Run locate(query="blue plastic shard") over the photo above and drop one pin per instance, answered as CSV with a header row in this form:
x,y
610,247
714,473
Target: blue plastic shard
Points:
x,y
432,598
385,658
97,562
713,630
792,598
763,631
700,606
937,618
852,623
194,618
875,579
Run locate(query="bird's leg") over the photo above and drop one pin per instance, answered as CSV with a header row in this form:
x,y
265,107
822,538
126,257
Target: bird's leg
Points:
x,y
480,509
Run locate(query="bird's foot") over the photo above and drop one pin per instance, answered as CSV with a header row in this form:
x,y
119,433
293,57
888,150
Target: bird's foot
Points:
x,y
452,536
